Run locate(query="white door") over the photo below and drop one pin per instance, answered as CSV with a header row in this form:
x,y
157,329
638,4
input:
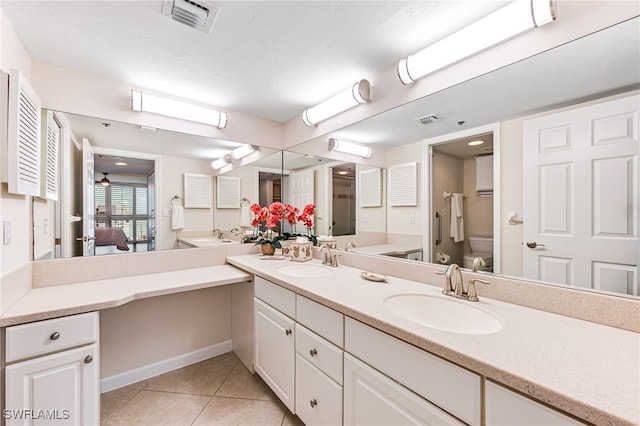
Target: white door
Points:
x,y
88,200
274,352
60,389
371,398
301,188
581,206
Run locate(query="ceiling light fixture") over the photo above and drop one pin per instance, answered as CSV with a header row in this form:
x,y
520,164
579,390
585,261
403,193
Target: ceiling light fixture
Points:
x,y
357,94
141,101
221,162
474,143
119,161
244,150
503,24
343,146
105,181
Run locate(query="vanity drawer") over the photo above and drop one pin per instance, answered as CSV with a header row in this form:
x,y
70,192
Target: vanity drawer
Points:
x,y
452,388
322,320
279,297
318,398
319,352
37,338
505,408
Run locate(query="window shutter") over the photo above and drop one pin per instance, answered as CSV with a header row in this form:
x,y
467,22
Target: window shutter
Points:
x,y
403,180
51,143
197,191
24,148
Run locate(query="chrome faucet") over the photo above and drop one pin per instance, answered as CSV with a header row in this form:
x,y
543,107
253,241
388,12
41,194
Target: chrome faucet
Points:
x,y
219,233
328,258
349,245
458,289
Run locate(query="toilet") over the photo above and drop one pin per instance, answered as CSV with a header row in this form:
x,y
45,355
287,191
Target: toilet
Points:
x,y
480,247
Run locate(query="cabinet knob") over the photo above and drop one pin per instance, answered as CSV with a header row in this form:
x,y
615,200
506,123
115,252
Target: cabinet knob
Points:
x,y
88,359
313,402
313,352
287,331
54,336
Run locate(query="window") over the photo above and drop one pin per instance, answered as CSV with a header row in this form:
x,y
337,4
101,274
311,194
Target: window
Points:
x,y
124,206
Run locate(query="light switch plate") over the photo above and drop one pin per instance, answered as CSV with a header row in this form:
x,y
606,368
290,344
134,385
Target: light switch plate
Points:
x,y
6,232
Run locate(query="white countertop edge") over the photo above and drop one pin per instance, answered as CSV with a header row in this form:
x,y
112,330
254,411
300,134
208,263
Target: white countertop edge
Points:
x,y
591,411
69,299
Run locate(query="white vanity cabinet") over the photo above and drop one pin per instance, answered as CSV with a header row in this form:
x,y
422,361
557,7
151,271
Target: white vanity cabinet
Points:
x,y
52,373
371,398
506,408
445,385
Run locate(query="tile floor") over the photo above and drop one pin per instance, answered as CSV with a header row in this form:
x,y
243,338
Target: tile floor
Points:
x,y
217,391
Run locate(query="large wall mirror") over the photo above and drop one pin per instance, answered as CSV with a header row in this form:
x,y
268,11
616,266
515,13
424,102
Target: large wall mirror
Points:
x,y
491,108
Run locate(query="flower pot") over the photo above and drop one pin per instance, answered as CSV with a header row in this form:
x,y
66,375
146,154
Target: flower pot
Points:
x,y
267,249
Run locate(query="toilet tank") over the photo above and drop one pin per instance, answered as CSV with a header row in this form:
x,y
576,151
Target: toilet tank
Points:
x,y
481,245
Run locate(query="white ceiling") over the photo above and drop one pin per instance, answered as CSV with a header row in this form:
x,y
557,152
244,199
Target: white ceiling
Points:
x,y
267,58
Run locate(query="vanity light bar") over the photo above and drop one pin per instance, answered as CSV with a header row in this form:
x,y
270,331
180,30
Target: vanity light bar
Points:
x,y
340,145
221,162
357,94
141,101
501,25
243,150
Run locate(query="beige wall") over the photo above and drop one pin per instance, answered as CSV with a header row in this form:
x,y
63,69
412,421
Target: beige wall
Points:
x,y
147,331
448,175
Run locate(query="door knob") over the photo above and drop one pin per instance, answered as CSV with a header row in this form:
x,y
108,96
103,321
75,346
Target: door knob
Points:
x,y
533,244
85,238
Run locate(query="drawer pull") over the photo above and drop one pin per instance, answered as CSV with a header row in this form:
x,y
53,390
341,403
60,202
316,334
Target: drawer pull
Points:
x,y
313,352
54,336
88,359
313,403
287,331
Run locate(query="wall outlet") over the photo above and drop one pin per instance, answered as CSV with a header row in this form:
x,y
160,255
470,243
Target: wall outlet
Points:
x,y
6,232
412,219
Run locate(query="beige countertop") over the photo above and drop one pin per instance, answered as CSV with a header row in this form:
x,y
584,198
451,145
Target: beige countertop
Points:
x,y
206,241
586,369
387,249
51,302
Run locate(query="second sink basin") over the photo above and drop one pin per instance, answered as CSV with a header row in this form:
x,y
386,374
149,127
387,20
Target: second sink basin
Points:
x,y
304,271
442,312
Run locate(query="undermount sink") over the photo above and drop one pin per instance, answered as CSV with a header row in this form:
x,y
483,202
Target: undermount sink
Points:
x,y
442,312
304,271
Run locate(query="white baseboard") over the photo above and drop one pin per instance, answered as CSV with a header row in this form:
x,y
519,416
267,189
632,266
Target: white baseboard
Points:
x,y
132,376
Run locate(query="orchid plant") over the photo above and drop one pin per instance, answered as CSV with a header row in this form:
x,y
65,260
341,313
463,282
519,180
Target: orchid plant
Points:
x,y
270,216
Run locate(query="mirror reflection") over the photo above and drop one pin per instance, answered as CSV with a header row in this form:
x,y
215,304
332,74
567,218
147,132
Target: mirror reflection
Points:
x,y
355,202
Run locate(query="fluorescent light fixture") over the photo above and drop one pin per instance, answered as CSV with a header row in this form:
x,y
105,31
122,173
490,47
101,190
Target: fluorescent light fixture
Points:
x,y
343,146
357,94
221,162
243,150
184,110
503,24
474,143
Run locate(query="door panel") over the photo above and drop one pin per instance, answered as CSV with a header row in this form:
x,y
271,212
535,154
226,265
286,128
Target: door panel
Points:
x,y
581,179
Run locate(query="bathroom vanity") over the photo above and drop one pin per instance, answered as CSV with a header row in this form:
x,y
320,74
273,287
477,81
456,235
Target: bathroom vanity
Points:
x,y
335,349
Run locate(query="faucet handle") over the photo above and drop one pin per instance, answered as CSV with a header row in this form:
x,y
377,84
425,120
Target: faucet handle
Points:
x,y
472,294
334,259
448,286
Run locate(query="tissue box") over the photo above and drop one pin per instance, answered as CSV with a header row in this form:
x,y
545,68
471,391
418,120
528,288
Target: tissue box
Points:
x,y
299,252
332,243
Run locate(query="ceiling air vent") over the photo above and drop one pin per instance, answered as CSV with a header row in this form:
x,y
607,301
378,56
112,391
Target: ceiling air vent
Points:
x,y
195,14
428,119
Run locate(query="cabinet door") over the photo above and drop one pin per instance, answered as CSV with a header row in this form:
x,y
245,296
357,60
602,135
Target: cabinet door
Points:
x,y
274,351
59,389
371,398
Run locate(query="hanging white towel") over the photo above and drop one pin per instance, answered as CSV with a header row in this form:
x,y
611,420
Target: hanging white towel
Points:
x,y
457,221
177,217
245,217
